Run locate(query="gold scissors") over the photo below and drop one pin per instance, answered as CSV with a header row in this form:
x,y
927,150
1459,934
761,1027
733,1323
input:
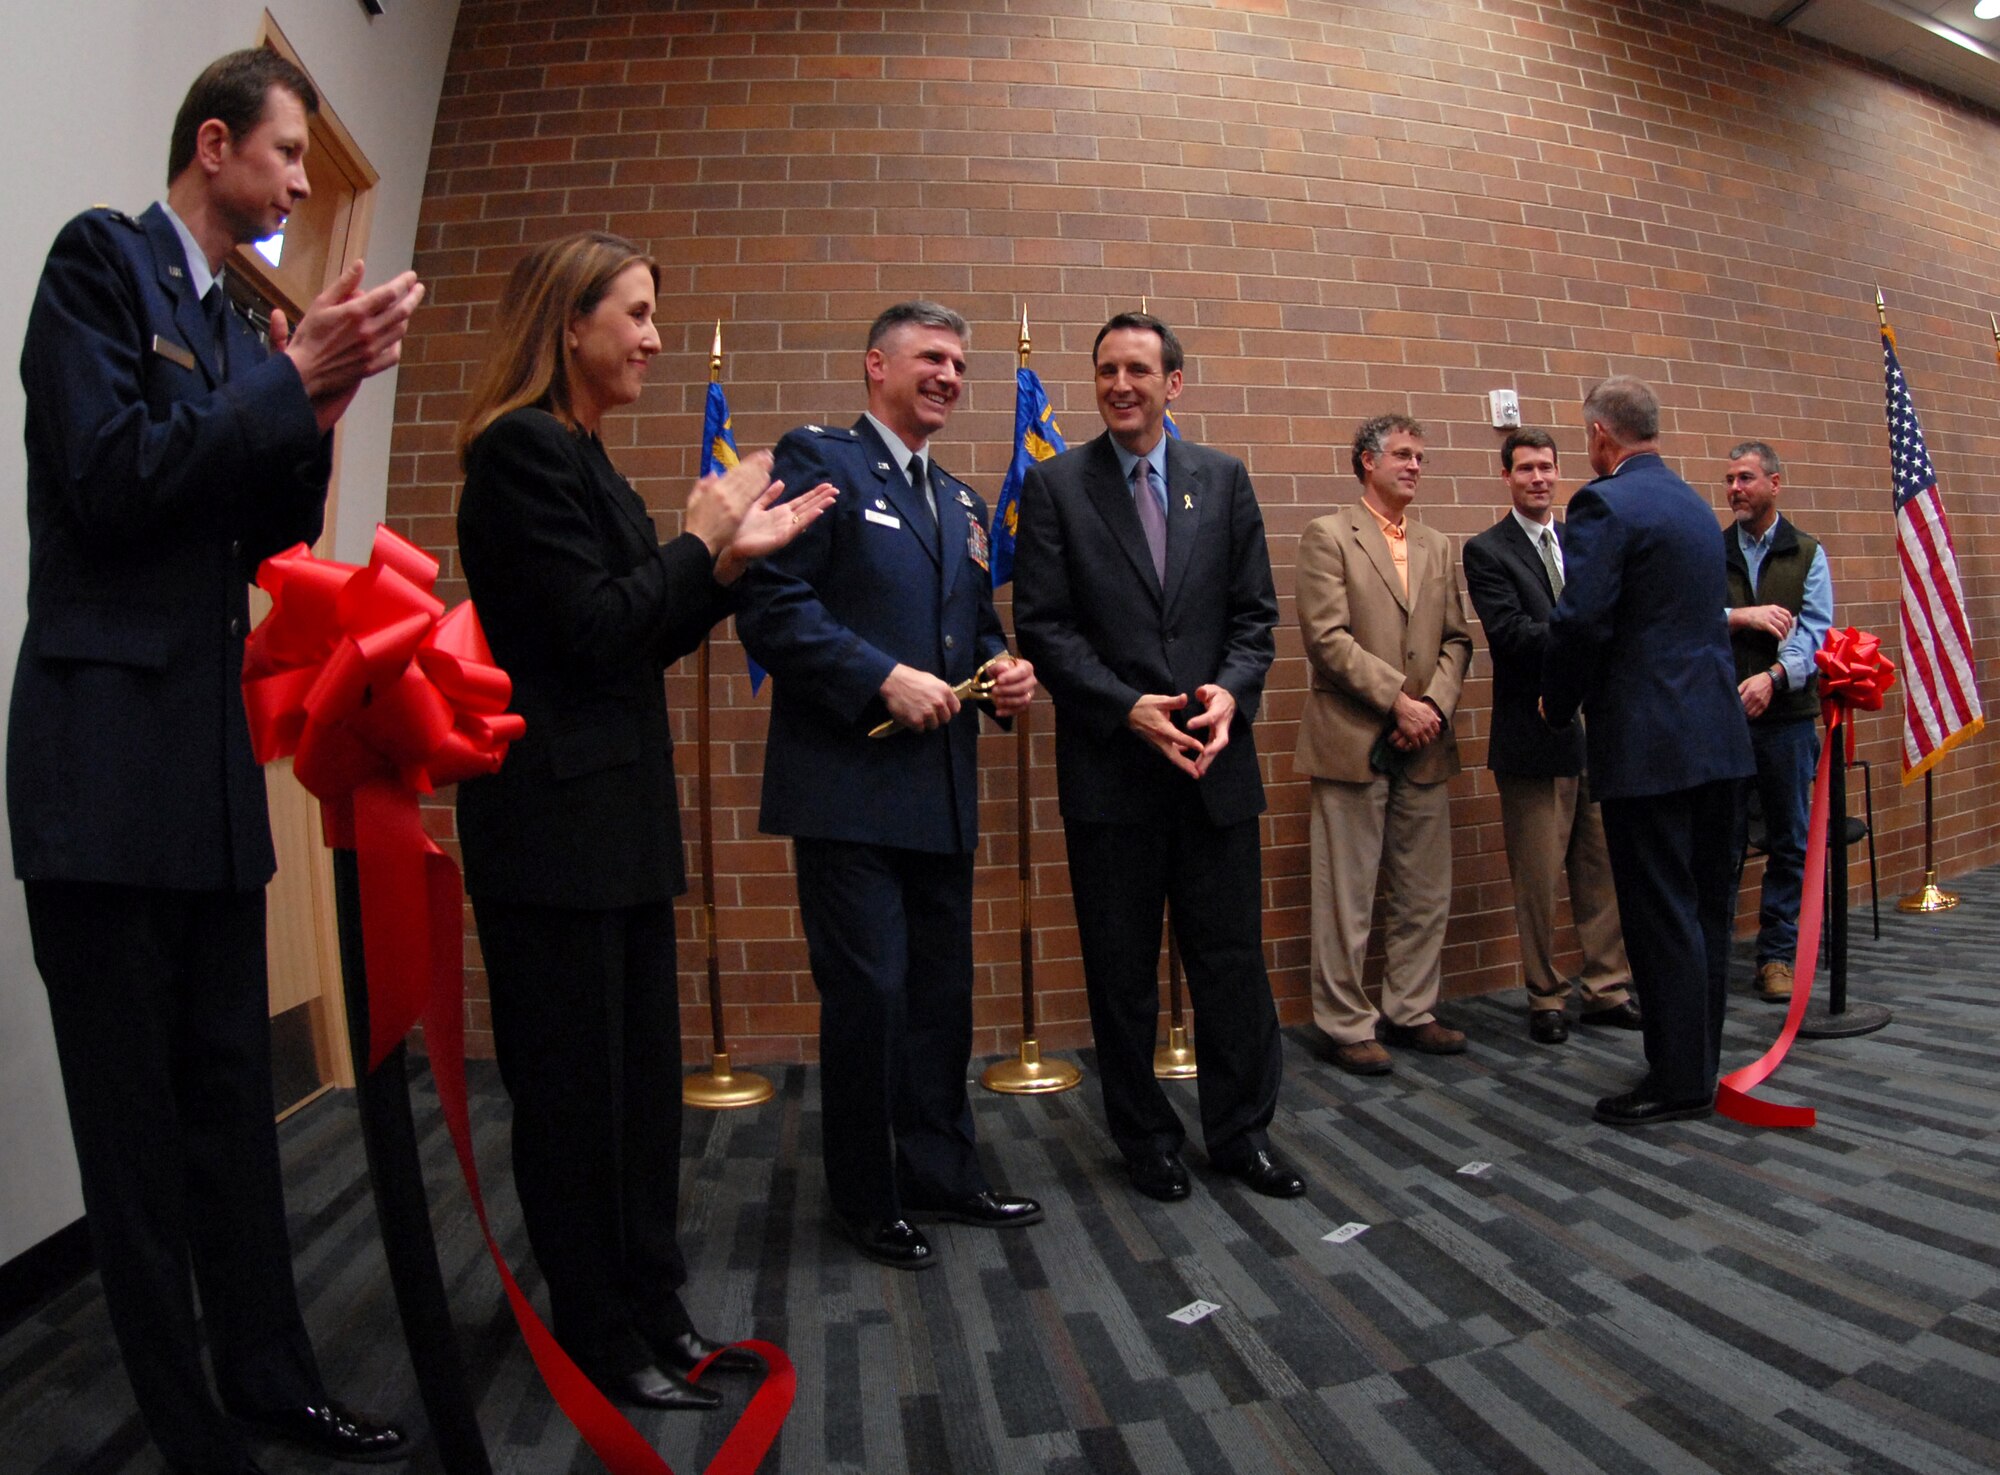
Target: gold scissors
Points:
x,y
978,687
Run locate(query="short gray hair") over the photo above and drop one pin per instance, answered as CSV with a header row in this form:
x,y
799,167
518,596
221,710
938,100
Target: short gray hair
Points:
x,y
922,314
1625,406
1762,452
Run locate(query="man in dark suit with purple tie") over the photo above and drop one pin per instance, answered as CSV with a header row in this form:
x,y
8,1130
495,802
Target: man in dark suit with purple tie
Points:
x,y
1142,592
1639,642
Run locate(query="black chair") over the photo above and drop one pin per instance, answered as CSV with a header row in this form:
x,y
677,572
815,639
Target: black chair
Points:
x,y
1859,827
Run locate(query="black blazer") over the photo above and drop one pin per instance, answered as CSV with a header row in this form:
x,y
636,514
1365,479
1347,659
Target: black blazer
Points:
x,y
1102,632
156,484
584,609
1510,590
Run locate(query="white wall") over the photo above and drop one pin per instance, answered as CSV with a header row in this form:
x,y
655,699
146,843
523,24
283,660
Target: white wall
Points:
x,y
88,90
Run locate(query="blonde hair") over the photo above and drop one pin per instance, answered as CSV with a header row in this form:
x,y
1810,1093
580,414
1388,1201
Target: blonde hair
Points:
x,y
529,363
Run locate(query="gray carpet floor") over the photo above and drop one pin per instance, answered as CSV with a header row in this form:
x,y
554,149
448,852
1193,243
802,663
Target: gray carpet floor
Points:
x,y
1697,1297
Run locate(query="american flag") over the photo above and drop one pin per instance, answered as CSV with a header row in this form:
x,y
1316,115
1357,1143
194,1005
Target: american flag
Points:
x,y
1941,698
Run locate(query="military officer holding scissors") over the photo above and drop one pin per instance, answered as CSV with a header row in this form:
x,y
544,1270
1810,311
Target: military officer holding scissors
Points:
x,y
873,615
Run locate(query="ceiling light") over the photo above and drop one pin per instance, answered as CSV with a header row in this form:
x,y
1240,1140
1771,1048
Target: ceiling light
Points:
x,y
1987,9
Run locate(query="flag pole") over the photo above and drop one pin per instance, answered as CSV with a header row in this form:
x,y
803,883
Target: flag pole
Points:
x,y
1174,1061
1028,1074
1929,897
719,1088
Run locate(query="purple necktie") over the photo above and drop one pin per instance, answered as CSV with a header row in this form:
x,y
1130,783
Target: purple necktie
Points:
x,y
1152,516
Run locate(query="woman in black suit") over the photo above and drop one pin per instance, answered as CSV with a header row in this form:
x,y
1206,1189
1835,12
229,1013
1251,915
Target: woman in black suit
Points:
x,y
573,849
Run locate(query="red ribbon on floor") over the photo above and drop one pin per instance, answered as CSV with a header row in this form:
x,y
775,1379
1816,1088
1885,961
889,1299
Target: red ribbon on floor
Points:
x,y
1854,675
379,695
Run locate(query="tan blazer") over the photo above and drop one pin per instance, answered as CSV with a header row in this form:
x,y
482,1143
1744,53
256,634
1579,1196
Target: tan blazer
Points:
x,y
1366,641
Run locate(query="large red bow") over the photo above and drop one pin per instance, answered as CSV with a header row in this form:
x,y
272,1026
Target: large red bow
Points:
x,y
1854,675
380,696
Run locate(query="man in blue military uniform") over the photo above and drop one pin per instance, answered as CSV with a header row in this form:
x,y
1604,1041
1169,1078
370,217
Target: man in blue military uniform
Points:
x,y
1639,642
874,614
169,451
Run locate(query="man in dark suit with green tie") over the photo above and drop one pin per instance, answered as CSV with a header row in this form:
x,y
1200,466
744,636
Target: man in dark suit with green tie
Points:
x,y
1514,573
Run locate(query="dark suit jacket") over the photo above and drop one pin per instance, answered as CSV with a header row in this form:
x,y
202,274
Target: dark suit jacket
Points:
x,y
584,608
1102,632
154,490
1510,590
872,584
1639,638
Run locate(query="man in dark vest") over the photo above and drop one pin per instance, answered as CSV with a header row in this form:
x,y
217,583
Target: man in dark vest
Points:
x,y
1780,608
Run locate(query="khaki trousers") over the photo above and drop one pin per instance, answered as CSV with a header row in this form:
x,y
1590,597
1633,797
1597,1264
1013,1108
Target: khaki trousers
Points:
x,y
1403,830
1551,825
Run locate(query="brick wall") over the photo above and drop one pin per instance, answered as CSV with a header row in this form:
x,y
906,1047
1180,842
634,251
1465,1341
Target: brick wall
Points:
x,y
1344,209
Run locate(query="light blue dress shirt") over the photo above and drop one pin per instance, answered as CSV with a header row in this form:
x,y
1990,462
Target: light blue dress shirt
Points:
x,y
1815,614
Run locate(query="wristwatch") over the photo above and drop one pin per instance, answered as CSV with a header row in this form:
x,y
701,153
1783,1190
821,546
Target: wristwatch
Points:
x,y
1781,679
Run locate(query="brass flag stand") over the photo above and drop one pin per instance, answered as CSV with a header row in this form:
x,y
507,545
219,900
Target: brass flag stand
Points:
x,y
719,1088
1028,1074
1929,897
1174,1061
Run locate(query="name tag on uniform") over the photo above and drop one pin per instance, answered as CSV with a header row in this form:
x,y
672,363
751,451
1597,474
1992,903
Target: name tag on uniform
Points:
x,y
172,352
881,519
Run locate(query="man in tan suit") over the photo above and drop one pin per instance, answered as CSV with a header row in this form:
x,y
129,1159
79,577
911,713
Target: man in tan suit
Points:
x,y
1387,640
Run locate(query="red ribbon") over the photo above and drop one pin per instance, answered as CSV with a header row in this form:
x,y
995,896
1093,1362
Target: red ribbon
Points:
x,y
380,696
1854,675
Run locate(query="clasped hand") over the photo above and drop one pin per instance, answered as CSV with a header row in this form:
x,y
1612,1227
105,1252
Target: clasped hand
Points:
x,y
1152,719
1417,723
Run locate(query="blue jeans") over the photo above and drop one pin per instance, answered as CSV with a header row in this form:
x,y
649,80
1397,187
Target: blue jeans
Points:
x,y
1787,754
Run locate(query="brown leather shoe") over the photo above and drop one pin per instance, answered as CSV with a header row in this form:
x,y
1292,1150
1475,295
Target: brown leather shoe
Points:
x,y
1428,1038
1361,1058
1774,982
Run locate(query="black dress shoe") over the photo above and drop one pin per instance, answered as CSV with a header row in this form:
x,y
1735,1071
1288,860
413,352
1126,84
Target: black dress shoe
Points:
x,y
1644,1107
1547,1026
685,1352
1260,1173
893,1242
329,1430
1160,1175
654,1387
985,1209
1617,1016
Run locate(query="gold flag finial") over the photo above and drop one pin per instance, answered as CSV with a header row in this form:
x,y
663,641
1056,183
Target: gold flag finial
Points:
x,y
1881,308
1026,347
1996,331
1142,304
715,355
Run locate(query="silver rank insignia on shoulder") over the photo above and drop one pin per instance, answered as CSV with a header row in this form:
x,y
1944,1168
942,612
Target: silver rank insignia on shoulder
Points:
x,y
964,497
816,430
